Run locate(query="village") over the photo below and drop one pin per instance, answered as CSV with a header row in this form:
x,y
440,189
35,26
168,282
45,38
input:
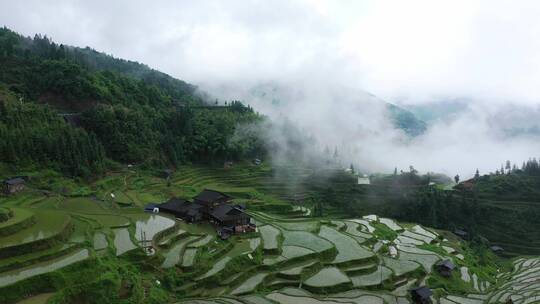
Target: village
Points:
x,y
212,206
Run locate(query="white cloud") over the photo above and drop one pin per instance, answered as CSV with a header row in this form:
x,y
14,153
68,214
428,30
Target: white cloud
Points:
x,y
411,51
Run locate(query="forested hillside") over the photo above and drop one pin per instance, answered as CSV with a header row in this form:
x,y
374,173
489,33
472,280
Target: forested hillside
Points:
x,y
120,110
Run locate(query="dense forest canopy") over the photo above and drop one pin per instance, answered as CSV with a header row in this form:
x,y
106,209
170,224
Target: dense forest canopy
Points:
x,y
127,111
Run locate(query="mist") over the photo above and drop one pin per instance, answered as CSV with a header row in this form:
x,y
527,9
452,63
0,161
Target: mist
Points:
x,y
359,126
327,69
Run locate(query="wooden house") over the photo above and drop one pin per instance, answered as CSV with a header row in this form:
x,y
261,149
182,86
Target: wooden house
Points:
x,y
421,295
181,208
232,217
13,185
445,268
211,199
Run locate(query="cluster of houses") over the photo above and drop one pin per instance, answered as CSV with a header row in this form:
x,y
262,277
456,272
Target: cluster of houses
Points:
x,y
212,206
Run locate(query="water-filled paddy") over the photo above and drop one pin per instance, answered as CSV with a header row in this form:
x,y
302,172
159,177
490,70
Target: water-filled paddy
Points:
x,y
390,224
48,224
13,276
122,241
269,236
306,240
348,249
327,277
189,257
202,242
299,225
174,255
250,284
400,266
372,279
150,225
100,241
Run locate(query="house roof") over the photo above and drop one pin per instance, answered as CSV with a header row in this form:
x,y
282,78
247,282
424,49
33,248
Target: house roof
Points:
x,y
174,204
423,292
14,181
224,212
447,264
209,196
178,205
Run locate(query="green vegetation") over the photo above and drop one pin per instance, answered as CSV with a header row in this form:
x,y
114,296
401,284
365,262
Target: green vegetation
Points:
x,y
5,214
128,112
67,113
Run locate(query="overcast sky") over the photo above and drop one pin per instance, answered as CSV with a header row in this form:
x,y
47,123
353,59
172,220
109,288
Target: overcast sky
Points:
x,y
399,50
325,55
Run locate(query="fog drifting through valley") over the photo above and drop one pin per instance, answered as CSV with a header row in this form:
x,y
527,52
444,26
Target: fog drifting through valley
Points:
x,y
359,125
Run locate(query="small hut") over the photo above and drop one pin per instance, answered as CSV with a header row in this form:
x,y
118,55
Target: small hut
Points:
x,y
445,268
421,295
231,217
13,185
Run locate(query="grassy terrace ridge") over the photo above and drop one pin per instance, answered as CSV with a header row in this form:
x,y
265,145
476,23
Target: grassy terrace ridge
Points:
x,y
294,257
20,219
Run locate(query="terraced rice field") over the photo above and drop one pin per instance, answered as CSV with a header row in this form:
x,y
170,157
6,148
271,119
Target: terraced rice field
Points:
x,y
327,278
269,235
13,276
352,269
348,249
290,259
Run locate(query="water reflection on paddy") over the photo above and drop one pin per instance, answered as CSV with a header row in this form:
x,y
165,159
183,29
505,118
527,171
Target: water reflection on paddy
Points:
x,y
13,276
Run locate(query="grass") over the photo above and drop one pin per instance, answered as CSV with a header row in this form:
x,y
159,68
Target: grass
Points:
x,y
19,219
48,224
5,214
383,232
82,205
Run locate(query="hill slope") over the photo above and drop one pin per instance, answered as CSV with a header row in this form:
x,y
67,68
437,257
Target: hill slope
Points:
x,y
137,114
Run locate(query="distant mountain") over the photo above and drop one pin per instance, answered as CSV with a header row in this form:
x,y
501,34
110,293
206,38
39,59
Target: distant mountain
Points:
x,y
278,97
510,120
441,110
406,121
